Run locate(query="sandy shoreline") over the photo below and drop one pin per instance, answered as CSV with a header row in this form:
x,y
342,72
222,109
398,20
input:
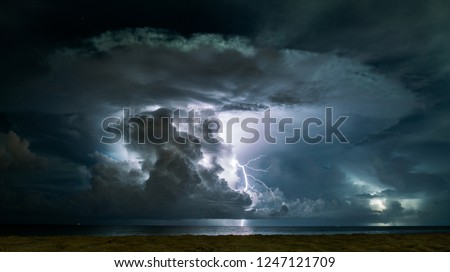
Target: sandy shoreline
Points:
x,y
339,242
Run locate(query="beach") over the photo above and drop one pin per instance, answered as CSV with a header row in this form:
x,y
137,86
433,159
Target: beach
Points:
x,y
226,243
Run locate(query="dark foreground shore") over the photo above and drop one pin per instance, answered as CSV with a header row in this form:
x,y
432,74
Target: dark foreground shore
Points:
x,y
340,242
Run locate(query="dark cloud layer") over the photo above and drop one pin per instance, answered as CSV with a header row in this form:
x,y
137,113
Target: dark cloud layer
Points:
x,y
385,64
15,155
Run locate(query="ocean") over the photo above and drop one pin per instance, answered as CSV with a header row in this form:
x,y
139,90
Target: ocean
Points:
x,y
120,230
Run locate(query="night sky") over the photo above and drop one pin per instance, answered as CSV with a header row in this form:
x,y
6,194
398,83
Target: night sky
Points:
x,y
68,65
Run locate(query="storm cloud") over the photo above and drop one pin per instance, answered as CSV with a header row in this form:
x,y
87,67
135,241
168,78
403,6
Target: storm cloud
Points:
x,y
386,71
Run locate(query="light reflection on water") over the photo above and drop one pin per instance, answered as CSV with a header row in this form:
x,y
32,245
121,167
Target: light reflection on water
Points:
x,y
193,230
111,230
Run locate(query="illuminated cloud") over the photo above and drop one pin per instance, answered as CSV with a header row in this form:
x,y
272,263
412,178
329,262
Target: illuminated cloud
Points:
x,y
388,76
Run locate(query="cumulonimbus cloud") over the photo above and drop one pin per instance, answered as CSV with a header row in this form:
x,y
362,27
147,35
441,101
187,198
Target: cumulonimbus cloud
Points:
x,y
151,70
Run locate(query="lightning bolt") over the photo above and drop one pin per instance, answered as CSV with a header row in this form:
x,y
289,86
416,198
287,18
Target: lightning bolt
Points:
x,y
246,166
244,172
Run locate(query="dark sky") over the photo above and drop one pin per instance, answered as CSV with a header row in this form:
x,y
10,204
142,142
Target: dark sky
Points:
x,y
67,65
